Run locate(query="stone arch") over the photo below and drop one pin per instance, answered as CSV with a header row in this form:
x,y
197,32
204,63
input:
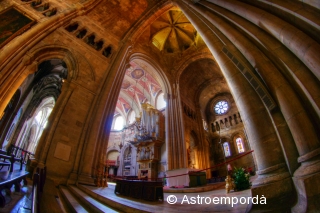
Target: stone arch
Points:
x,y
60,52
110,149
192,58
160,76
29,64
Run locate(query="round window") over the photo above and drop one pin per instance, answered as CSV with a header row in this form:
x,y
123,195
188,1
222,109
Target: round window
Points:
x,y
221,107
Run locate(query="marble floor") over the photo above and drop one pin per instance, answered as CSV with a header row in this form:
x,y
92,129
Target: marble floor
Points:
x,y
185,202
209,201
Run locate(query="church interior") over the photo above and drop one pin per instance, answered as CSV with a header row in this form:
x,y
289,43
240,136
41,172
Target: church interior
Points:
x,y
178,93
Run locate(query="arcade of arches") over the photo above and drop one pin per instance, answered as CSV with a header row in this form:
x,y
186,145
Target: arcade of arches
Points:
x,y
218,78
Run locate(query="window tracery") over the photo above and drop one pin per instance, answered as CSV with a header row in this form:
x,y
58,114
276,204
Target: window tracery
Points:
x,y
221,107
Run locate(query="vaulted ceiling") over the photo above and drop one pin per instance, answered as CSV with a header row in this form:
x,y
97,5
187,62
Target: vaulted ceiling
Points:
x,y
201,81
138,86
172,32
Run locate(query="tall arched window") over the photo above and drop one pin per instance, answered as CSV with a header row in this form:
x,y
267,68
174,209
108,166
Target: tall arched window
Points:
x,y
131,117
226,149
161,103
118,123
240,145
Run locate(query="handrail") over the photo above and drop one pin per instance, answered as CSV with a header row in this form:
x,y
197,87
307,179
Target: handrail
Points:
x,y
19,152
35,194
39,179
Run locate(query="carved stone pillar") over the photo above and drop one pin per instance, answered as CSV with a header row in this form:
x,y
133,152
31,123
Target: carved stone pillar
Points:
x,y
296,114
176,148
262,135
203,149
95,145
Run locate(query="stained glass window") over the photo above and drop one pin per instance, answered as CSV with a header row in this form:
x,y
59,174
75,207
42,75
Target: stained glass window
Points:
x,y
240,145
221,107
226,148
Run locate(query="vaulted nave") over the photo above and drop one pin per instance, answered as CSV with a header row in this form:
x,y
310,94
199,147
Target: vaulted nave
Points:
x,y
181,93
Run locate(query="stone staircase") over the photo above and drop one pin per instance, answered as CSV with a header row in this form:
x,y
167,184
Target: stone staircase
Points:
x,y
76,200
81,199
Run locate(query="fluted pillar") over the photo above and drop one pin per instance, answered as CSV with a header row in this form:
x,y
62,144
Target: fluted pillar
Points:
x,y
295,113
272,170
203,147
102,111
305,48
176,148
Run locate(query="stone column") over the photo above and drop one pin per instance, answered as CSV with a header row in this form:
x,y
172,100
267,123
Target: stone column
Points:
x,y
176,148
102,111
294,113
305,48
203,148
53,121
273,173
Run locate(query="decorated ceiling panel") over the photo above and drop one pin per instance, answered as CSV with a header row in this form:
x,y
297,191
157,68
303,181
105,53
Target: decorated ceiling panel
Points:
x,y
138,86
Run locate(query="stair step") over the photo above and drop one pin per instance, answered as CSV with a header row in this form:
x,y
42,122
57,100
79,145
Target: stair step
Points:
x,y
72,201
118,202
92,203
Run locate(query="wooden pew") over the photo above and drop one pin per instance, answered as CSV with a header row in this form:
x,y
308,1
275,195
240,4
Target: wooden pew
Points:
x,y
12,177
12,159
7,179
4,162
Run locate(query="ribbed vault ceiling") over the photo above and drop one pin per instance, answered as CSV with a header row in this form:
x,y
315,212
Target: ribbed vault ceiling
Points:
x,y
172,32
138,86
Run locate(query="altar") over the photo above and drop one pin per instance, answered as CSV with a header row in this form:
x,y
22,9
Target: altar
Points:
x,y
185,177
